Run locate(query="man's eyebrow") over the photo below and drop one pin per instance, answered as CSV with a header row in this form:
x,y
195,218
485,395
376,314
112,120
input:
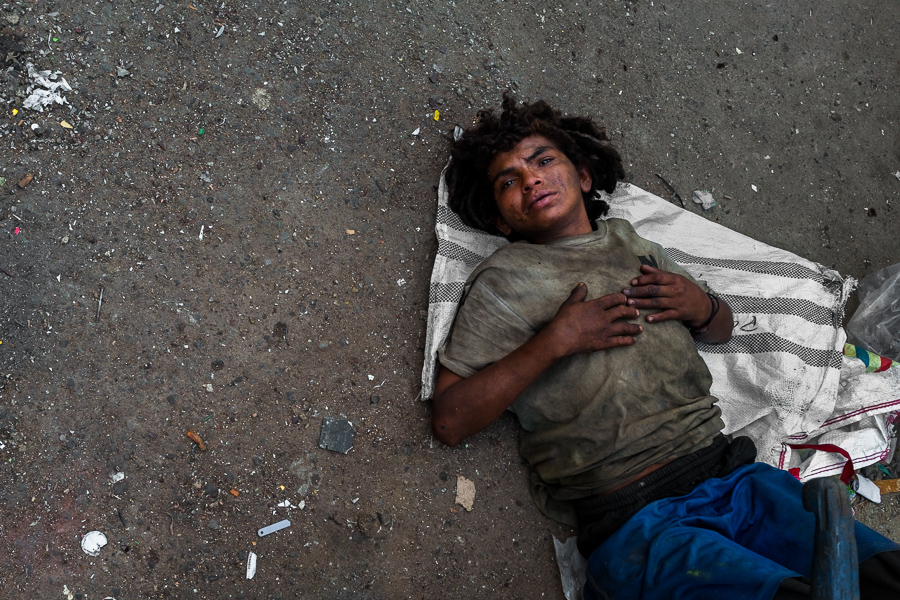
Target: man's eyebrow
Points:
x,y
537,152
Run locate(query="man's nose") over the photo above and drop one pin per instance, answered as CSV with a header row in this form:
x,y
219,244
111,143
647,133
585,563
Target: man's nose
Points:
x,y
532,179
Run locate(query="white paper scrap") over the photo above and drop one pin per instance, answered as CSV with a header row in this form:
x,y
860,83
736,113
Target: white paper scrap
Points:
x,y
251,565
43,91
864,487
92,542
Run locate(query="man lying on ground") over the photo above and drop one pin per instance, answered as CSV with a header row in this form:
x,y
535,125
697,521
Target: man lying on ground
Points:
x,y
586,332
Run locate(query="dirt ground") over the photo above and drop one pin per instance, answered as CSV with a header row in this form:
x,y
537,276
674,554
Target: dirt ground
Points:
x,y
229,229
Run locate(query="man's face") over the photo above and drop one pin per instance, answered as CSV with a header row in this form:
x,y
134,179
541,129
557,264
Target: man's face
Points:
x,y
539,192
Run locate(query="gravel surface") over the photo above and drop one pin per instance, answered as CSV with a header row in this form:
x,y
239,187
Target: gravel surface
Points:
x,y
227,228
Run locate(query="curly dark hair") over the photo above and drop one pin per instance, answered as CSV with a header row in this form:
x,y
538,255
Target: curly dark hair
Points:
x,y
584,143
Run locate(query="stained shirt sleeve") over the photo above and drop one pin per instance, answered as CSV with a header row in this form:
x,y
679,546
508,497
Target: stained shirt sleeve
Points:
x,y
485,330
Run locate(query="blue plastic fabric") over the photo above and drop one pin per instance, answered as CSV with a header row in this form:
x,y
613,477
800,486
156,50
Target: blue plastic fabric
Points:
x,y
736,538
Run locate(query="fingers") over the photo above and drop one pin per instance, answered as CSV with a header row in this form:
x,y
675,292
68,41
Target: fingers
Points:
x,y
616,342
611,300
666,315
579,293
658,277
624,328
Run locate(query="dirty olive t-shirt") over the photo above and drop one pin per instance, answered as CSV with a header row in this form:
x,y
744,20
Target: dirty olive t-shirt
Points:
x,y
591,421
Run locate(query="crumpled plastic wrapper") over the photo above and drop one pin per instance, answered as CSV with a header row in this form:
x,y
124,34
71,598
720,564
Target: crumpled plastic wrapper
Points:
x,y
44,89
572,568
704,198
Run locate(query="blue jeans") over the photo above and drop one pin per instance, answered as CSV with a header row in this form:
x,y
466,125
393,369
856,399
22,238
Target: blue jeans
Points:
x,y
736,538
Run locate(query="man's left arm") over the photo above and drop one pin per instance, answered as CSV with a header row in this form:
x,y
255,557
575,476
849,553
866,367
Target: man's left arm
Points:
x,y
678,298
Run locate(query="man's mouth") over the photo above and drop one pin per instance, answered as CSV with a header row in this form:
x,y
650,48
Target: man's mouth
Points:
x,y
539,199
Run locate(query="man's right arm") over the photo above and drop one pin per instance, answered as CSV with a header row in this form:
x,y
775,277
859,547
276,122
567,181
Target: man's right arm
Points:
x,y
464,406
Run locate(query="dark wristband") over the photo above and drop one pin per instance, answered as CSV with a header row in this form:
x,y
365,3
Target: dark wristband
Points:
x,y
698,331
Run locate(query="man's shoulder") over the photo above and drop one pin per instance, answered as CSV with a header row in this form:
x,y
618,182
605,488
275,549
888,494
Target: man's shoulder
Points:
x,y
511,257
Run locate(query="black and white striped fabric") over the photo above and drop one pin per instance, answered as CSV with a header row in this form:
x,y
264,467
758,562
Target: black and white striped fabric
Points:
x,y
781,379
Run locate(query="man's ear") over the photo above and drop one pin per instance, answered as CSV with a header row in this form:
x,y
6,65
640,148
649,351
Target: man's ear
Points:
x,y
502,225
585,176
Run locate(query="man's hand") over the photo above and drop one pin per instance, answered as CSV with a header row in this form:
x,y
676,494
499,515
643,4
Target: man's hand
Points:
x,y
679,298
676,296
465,406
590,326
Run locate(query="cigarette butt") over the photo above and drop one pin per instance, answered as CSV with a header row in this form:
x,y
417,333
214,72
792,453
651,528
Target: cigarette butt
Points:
x,y
26,180
888,486
196,439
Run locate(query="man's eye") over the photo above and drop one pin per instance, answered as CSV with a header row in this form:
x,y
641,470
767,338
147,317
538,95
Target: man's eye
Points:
x,y
544,161
506,184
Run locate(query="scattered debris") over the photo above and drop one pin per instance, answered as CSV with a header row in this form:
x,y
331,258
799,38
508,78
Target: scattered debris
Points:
x,y
196,439
704,198
416,132
280,332
261,98
401,282
234,492
99,304
68,594
28,178
65,125
572,567
117,477
122,72
337,435
219,34
888,486
897,174
672,189
92,542
465,492
437,115
274,527
863,486
43,89
754,188
251,565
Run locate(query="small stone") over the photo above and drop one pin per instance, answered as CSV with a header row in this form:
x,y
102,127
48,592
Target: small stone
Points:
x,y
213,524
337,435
